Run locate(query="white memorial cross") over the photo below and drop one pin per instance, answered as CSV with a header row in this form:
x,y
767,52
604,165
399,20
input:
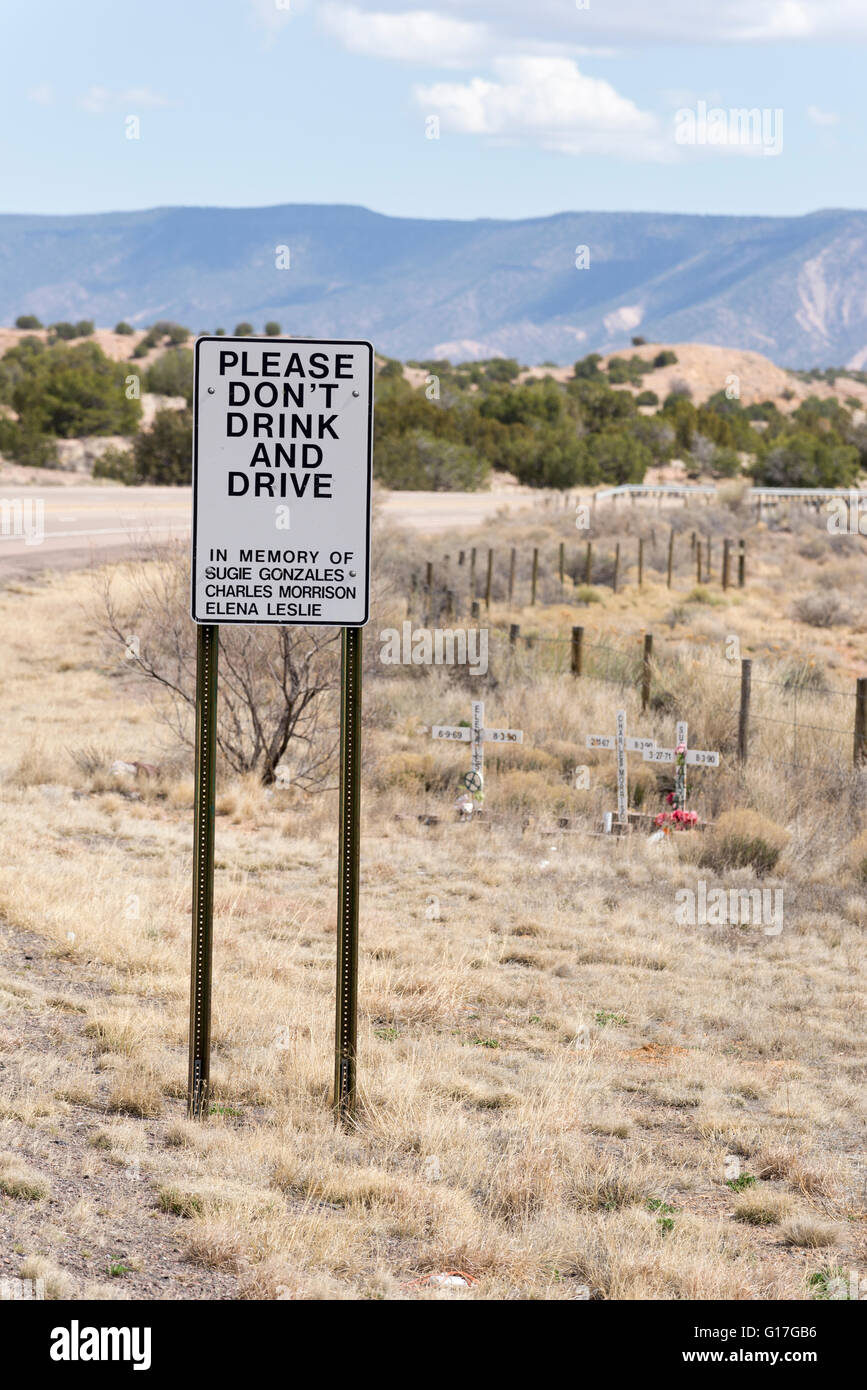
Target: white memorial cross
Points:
x,y
477,735
621,744
690,757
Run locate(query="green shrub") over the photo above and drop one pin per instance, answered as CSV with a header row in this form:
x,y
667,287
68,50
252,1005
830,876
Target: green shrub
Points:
x,y
70,392
666,358
161,333
743,839
420,461
243,330
725,463
647,398
501,369
124,328
802,459
618,457
117,464
587,369
27,321
27,445
172,374
272,329
164,453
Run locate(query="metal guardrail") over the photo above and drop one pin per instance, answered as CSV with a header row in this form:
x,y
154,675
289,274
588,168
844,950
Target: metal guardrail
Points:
x,y
711,489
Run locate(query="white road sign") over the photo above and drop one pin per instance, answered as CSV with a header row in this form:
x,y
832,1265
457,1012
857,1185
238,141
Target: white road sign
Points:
x,y
281,481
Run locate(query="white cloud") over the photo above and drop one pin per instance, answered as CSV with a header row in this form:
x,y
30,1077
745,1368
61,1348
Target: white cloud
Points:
x,y
548,101
824,118
783,19
636,21
421,36
273,15
97,100
42,94
622,320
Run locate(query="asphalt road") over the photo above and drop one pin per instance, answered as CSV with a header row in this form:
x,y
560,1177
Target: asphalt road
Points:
x,y
56,528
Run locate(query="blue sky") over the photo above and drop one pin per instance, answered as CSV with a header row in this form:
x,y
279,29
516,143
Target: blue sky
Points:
x,y
542,105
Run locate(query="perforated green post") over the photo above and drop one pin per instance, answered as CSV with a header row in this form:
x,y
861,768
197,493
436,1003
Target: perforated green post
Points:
x,y
207,657
345,1033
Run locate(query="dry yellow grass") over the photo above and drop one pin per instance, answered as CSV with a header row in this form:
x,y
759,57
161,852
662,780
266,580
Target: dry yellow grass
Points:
x,y
554,1073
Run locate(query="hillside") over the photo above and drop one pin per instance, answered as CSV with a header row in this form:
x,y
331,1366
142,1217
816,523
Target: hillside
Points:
x,y
794,289
567,1093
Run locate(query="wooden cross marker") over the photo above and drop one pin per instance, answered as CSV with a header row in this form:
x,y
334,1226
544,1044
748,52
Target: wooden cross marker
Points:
x,y
683,756
621,745
477,736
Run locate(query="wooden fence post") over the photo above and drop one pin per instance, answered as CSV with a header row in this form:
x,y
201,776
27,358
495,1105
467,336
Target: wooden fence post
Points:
x,y
512,576
562,564
645,670
641,563
514,633
742,564
727,545
490,576
744,715
616,566
577,650
473,572
860,748
588,563
670,556
535,573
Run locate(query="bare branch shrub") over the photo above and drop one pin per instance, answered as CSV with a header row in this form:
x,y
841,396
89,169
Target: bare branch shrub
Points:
x,y
275,683
824,608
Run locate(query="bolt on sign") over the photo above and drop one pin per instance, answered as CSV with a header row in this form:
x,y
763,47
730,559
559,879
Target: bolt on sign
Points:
x,y
281,481
281,535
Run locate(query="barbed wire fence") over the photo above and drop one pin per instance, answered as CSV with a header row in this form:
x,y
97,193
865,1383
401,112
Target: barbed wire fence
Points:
x,y
778,716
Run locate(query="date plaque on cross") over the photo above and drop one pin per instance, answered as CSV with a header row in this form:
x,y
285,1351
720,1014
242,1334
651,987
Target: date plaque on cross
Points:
x,y
683,757
476,735
620,744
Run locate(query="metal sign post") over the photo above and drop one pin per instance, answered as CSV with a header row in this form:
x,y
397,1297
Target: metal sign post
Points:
x,y
345,1035
198,1087
281,536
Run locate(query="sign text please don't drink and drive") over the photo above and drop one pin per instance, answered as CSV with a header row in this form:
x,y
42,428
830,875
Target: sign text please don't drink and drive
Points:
x,y
281,481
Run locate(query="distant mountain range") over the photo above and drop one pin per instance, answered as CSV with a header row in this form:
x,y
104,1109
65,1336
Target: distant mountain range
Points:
x,y
793,288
